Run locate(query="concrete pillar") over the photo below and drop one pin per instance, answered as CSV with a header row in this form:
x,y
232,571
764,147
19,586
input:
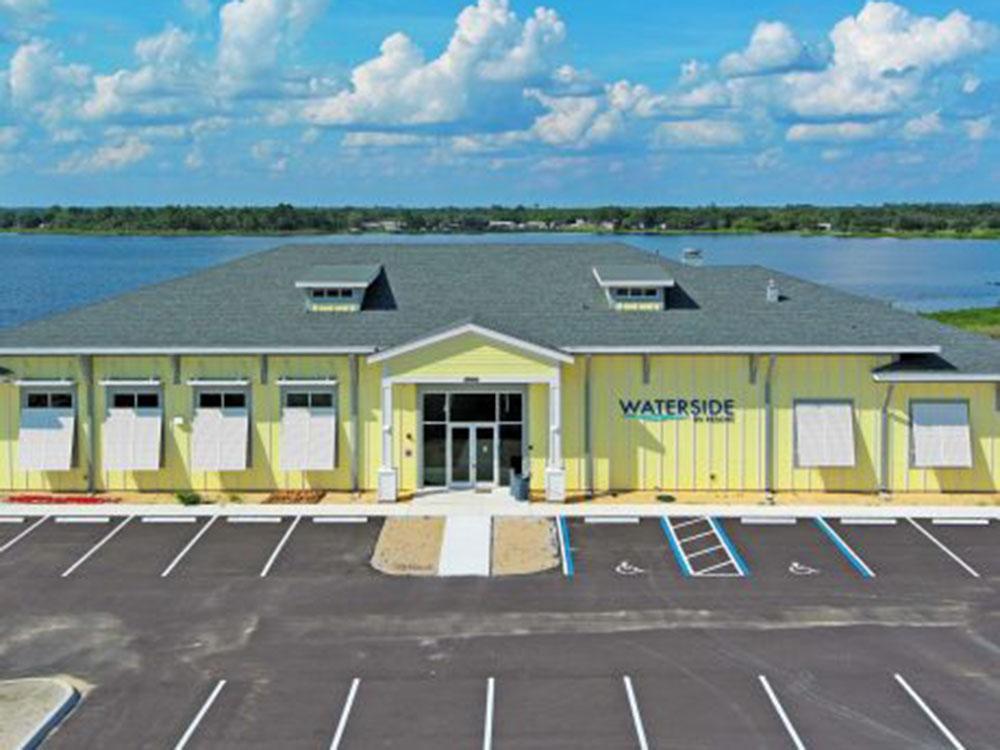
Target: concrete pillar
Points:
x,y
555,472
355,426
388,481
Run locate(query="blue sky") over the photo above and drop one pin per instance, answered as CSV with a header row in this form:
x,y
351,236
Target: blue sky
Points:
x,y
428,102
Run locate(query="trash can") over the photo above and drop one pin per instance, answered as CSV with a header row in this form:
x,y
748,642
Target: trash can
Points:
x,y
520,486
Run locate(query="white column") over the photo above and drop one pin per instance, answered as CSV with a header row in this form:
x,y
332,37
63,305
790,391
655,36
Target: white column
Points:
x,y
555,474
387,479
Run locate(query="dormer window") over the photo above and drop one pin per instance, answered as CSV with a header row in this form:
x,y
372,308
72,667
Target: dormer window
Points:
x,y
635,287
337,288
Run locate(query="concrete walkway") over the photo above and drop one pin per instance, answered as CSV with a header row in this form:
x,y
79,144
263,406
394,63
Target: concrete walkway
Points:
x,y
31,708
466,548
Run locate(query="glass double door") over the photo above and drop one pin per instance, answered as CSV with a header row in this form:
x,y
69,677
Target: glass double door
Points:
x,y
472,455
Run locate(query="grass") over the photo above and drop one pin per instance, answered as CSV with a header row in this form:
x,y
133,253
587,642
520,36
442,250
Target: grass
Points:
x,y
985,320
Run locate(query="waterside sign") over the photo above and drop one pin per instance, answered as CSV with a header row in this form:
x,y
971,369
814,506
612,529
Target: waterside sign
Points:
x,y
673,409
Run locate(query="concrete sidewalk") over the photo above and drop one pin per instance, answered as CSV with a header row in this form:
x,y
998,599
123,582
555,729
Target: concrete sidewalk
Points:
x,y
466,549
31,708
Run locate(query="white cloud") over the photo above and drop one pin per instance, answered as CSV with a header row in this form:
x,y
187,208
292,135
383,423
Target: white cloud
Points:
x,y
194,159
489,60
768,159
107,157
576,121
9,136
272,154
923,126
978,129
833,131
254,35
698,134
834,154
970,83
383,140
692,71
41,83
773,48
880,59
26,11
198,7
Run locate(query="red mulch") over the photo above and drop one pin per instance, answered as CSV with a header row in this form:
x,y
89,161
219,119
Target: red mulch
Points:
x,y
61,499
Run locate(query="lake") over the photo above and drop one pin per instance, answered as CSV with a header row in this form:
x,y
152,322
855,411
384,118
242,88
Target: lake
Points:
x,y
43,274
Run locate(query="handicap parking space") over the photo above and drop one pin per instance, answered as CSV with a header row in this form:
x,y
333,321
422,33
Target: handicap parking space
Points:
x,y
231,548
418,714
977,545
793,550
579,713
52,545
327,549
902,552
630,553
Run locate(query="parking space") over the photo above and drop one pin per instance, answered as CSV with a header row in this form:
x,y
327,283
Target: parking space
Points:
x,y
586,712
632,554
141,550
328,549
228,548
48,548
790,550
978,545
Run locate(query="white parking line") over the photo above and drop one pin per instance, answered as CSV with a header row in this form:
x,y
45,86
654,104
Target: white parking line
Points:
x,y
340,519
796,740
769,520
188,546
169,519
960,521
929,714
345,714
11,519
488,719
193,726
83,519
23,534
277,550
689,522
862,521
633,704
104,540
611,519
941,546
254,519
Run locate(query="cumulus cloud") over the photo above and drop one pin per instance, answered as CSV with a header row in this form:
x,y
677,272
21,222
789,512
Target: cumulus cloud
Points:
x,y
491,57
923,126
833,131
107,158
41,83
698,134
773,48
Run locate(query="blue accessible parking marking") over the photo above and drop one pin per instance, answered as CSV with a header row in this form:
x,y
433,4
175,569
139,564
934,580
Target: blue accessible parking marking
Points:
x,y
852,557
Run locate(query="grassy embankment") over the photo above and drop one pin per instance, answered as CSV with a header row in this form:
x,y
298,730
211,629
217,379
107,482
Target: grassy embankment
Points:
x,y
984,320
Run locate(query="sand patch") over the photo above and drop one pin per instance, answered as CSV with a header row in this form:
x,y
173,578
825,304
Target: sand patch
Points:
x,y
409,546
524,545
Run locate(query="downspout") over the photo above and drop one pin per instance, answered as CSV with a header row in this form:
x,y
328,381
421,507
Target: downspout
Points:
x,y
87,369
588,439
355,431
768,431
885,458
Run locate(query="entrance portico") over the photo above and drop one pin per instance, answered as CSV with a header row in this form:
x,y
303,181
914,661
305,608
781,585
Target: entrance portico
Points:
x,y
479,403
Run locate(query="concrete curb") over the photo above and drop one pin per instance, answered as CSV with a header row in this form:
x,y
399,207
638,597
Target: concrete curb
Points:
x,y
50,721
542,510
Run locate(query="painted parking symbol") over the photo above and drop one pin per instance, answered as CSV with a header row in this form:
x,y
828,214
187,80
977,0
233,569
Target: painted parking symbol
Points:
x,y
625,568
799,569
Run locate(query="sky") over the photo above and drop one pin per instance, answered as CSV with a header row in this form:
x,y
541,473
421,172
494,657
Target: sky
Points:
x,y
433,102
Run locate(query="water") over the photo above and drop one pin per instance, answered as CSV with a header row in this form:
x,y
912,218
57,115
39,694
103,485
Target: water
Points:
x,y
43,274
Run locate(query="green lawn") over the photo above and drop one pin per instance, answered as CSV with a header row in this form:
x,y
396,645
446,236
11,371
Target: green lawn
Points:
x,y
984,320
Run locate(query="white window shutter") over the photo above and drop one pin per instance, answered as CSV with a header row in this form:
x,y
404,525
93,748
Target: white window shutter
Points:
x,y
322,439
294,438
824,434
147,437
941,435
45,439
206,433
118,436
308,438
234,440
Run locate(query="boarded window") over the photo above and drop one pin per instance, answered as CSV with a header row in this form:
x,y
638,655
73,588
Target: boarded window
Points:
x,y
221,432
133,431
308,431
47,430
824,434
941,437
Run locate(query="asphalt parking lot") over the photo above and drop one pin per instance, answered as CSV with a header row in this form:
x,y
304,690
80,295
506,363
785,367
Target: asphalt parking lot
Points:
x,y
683,632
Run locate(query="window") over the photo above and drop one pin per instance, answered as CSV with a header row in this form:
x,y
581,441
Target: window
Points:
x,y
132,431
940,437
221,431
510,407
308,431
331,293
47,432
234,400
473,407
434,407
824,434
209,400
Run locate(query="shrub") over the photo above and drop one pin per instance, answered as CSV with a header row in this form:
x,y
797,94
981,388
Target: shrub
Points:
x,y
189,498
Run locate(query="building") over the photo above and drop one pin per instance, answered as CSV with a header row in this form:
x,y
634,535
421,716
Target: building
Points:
x,y
399,368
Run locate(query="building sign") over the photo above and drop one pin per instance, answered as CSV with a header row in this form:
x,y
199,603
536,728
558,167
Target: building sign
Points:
x,y
672,409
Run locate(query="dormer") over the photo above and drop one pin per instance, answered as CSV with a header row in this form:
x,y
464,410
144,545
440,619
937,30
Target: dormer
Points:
x,y
337,288
640,287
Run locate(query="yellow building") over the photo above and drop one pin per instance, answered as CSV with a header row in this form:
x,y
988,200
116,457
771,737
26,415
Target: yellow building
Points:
x,y
403,368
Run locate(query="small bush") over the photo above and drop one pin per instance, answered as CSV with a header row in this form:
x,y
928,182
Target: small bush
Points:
x,y
189,498
665,498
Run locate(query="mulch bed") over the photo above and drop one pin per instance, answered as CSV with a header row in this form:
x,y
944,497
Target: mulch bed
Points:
x,y
296,497
61,500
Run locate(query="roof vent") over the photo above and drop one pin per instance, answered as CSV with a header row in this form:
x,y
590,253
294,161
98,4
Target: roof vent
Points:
x,y
772,291
692,256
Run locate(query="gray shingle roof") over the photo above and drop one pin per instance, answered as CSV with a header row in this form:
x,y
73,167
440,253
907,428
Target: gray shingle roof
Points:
x,y
545,294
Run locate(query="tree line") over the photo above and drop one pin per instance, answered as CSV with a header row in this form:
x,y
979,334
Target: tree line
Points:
x,y
982,219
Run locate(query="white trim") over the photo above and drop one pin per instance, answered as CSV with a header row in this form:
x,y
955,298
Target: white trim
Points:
x,y
541,351
133,383
633,284
295,382
40,383
931,377
333,284
201,350
218,383
733,349
438,380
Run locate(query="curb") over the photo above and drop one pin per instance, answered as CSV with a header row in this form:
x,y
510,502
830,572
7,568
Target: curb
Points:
x,y
52,719
542,510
